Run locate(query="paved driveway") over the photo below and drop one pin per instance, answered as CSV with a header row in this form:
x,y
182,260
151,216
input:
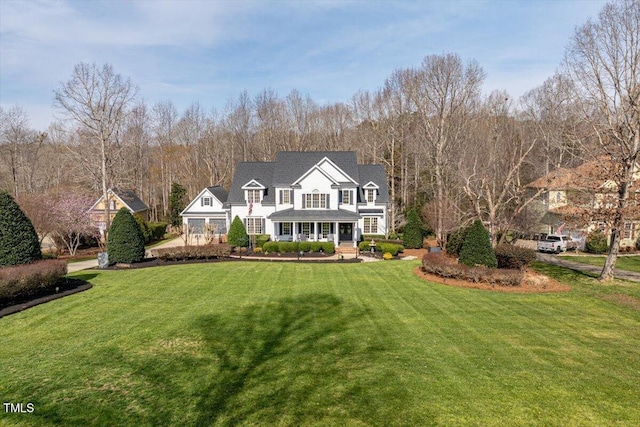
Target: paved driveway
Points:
x,y
578,266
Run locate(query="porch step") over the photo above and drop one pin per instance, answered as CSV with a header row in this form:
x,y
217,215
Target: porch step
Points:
x,y
346,248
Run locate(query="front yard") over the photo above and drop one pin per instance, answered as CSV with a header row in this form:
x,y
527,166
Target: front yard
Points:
x,y
253,343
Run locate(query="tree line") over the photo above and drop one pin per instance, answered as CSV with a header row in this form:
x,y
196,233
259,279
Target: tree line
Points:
x,y
451,151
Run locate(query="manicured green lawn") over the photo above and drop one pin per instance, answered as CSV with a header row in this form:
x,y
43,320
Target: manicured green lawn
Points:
x,y
630,263
246,343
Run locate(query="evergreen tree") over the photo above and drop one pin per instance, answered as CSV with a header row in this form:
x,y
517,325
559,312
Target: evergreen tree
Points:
x,y
125,242
19,243
177,203
476,248
238,234
413,231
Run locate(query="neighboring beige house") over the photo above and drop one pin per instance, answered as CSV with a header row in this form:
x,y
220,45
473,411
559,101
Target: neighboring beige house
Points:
x,y
579,200
117,200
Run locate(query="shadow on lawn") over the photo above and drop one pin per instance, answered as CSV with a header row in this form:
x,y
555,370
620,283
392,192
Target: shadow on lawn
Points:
x,y
293,361
309,359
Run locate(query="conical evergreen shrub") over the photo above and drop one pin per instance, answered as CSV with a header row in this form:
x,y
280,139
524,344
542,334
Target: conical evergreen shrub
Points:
x,y
237,235
476,248
125,243
19,243
413,231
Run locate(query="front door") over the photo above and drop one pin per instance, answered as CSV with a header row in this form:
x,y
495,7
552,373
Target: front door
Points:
x,y
345,231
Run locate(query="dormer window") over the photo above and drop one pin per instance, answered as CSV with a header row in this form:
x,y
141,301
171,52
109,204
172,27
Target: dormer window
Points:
x,y
371,195
370,191
254,196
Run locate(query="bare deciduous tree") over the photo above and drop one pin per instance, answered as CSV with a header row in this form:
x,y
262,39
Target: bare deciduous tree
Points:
x,y
96,100
603,62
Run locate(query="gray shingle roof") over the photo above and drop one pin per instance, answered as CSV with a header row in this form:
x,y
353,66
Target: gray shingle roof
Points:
x,y
262,172
314,215
130,199
219,192
376,174
291,165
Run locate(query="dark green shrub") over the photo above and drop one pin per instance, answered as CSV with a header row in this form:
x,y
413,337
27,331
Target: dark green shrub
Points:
x,y
293,247
237,235
455,240
368,237
19,243
177,203
261,239
596,243
144,227
392,248
476,248
413,231
510,256
125,243
157,229
385,246
25,280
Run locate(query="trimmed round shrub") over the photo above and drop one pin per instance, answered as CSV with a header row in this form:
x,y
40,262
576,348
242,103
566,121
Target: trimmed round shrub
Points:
x,y
476,248
237,235
261,239
19,243
510,256
596,243
413,231
125,243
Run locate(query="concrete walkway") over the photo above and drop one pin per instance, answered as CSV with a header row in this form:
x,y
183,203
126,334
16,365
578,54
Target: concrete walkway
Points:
x,y
93,263
578,266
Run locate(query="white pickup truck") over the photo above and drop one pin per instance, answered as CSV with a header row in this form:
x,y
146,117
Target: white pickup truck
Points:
x,y
556,243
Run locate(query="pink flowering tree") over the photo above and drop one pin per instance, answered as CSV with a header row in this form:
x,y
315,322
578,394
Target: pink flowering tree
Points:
x,y
72,220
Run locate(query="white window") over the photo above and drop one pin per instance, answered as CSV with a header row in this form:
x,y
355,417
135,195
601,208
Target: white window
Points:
x,y
370,225
307,229
206,201
315,200
346,197
253,196
325,229
628,230
371,195
286,228
285,197
254,225
112,205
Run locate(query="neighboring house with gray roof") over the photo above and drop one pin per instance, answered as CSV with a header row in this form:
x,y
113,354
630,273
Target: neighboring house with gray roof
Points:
x,y
315,195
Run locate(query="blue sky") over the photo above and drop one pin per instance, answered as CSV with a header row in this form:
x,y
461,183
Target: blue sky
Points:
x,y
210,51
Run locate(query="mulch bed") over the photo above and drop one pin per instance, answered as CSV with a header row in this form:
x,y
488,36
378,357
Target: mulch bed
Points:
x,y
533,282
66,286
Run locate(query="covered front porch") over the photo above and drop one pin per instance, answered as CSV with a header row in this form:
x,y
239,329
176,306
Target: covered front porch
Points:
x,y
337,226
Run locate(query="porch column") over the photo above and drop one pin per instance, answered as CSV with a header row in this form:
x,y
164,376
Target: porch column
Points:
x,y
315,231
336,235
294,231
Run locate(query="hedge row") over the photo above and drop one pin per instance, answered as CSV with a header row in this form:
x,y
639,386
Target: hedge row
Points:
x,y
392,248
510,256
182,253
441,265
284,247
29,279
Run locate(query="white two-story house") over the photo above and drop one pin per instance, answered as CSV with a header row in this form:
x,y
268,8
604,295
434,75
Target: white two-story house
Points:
x,y
314,196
